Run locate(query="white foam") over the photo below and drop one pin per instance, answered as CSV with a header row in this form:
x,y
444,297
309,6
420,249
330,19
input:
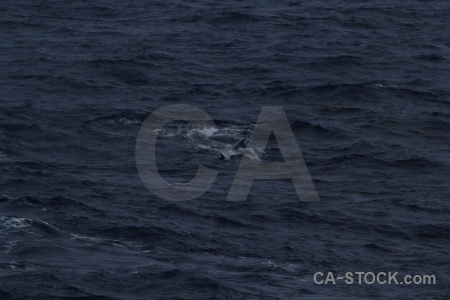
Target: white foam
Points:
x,y
7,223
207,131
251,153
208,138
204,147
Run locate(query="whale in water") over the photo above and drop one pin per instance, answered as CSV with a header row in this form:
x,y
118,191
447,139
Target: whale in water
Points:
x,y
230,151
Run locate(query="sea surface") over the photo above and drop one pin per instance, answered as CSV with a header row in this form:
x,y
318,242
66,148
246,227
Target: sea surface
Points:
x,y
364,84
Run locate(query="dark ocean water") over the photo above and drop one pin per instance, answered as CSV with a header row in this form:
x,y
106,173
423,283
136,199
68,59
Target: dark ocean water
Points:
x,y
365,85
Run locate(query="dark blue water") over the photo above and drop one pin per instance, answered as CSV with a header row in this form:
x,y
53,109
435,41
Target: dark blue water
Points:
x,y
365,86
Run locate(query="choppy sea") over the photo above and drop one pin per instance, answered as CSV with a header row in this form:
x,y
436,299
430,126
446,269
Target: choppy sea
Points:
x,y
364,84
